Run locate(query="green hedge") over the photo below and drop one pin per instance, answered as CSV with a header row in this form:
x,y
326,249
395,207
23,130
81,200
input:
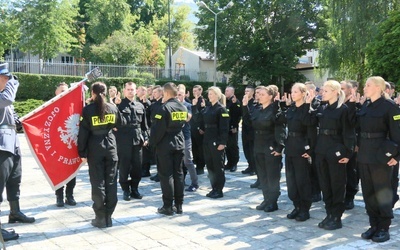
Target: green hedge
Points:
x,y
24,107
42,87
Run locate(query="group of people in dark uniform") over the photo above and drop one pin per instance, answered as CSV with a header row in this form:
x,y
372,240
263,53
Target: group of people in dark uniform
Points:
x,y
319,136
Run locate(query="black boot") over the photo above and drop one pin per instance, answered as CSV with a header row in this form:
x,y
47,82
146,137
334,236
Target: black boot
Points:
x,y
333,223
70,200
178,208
60,200
109,221
16,215
9,234
255,184
99,221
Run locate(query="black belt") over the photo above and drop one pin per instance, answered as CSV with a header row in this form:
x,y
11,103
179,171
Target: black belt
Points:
x,y
367,135
262,132
329,132
101,132
7,126
295,134
210,126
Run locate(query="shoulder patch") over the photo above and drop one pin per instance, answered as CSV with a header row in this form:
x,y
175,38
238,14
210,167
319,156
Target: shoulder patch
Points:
x,y
225,115
396,117
108,119
158,117
179,116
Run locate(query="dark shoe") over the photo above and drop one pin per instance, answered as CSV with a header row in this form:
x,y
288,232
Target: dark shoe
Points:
x,y
126,196
146,174
192,188
233,169
271,208
349,204
217,194
316,197
178,208
155,178
369,233
60,201
262,206
255,184
200,171
16,215
333,224
109,221
70,200
211,193
293,214
381,236
324,221
136,195
303,216
99,222
248,171
165,211
9,235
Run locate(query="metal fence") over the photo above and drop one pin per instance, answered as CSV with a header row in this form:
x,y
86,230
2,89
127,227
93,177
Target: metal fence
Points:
x,y
108,70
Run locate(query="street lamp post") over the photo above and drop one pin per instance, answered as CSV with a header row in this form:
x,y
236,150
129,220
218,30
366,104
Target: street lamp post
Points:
x,y
203,4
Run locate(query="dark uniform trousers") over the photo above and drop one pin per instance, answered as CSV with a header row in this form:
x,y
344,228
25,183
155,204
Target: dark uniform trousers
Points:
x,y
214,160
298,182
197,148
232,149
69,188
170,172
130,164
315,188
10,175
377,193
103,174
269,174
248,147
395,183
332,179
352,177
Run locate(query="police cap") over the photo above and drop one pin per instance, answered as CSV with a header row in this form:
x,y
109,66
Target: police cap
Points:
x,y
386,151
4,69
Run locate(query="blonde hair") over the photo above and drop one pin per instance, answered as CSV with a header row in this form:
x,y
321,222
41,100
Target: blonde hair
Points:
x,y
380,82
335,86
302,87
217,91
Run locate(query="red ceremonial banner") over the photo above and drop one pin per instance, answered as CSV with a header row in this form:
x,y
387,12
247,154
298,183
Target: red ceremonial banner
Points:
x,y
52,134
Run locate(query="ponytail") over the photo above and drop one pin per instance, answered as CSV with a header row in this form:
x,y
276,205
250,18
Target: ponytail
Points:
x,y
341,98
100,90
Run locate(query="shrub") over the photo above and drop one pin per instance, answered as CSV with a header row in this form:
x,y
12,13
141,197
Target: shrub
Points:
x,y
24,107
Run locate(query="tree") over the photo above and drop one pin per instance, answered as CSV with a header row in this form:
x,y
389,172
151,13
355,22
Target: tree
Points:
x,y
104,17
142,48
351,25
383,51
181,28
9,28
48,33
148,10
261,40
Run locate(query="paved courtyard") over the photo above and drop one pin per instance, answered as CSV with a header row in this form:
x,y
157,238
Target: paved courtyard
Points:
x,y
228,223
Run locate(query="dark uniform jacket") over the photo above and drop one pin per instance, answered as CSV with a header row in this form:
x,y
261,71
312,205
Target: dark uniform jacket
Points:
x,y
94,134
246,122
195,122
334,128
136,125
235,114
379,117
166,132
298,141
214,123
269,133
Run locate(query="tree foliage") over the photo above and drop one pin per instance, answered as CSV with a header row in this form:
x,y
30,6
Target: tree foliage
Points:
x,y
351,26
50,32
384,51
261,40
9,28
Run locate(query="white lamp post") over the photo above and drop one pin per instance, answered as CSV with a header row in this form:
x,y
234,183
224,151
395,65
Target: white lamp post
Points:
x,y
203,4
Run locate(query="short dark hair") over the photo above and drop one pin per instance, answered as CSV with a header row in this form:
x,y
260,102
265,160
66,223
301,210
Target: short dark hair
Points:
x,y
171,88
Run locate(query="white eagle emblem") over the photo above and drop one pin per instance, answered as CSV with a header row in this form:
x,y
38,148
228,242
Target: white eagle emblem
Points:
x,y
69,135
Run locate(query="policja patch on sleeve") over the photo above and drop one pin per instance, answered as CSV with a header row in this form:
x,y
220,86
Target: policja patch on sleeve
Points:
x,y
396,117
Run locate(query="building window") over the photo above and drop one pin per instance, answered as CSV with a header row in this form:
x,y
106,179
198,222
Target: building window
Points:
x,y
67,59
